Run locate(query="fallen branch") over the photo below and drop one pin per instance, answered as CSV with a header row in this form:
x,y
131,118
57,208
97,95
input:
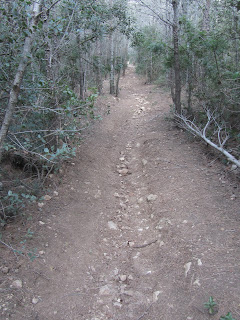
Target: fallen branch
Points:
x,y
145,245
190,126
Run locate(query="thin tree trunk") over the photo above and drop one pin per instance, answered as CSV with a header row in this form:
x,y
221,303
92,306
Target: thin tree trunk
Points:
x,y
236,41
112,84
177,74
14,93
206,16
98,68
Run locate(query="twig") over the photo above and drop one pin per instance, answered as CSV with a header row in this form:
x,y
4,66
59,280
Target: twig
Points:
x,y
145,245
145,312
9,247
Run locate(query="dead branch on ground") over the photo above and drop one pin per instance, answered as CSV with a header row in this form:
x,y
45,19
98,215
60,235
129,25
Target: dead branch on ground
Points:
x,y
222,135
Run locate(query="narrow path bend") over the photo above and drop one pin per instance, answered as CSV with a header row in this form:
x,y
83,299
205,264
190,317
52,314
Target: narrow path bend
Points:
x,y
142,228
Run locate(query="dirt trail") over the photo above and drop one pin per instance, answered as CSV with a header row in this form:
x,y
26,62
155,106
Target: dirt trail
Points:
x,y
142,228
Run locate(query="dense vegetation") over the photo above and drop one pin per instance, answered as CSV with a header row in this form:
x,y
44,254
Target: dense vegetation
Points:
x,y
54,57
194,47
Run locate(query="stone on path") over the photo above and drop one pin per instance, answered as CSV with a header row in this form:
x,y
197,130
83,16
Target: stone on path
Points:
x,y
112,225
17,284
151,197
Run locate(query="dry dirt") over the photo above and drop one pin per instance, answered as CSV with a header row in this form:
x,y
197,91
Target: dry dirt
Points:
x,y
141,226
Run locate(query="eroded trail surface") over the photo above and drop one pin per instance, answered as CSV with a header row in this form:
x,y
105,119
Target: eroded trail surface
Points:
x,y
142,227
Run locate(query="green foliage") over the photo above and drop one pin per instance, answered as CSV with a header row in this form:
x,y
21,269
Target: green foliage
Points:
x,y
227,317
210,305
150,50
13,203
69,43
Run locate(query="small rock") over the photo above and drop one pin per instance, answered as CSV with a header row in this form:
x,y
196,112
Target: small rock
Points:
x,y
233,197
130,277
123,171
117,304
187,267
151,197
17,284
140,200
155,295
115,271
234,167
41,223
35,300
123,277
47,197
131,243
199,262
112,225
117,195
40,204
41,252
144,162
55,193
197,283
138,145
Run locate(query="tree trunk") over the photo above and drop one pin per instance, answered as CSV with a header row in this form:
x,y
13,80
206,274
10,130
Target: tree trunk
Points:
x,y
206,16
98,68
112,85
177,74
15,90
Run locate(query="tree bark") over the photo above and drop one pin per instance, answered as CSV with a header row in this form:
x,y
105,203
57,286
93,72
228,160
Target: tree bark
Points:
x,y
15,90
112,84
177,71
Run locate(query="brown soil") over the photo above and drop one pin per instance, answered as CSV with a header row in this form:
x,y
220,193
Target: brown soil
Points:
x,y
141,227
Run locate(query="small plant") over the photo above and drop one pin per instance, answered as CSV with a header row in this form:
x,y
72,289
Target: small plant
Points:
x,y
210,305
227,317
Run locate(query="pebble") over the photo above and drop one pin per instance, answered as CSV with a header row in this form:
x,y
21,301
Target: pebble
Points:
x,y
144,162
197,282
47,197
131,243
112,225
187,267
35,300
41,223
155,295
151,197
123,277
55,193
123,172
40,204
17,284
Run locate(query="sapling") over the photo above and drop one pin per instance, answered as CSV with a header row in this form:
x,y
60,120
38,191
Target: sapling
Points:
x,y
210,304
227,317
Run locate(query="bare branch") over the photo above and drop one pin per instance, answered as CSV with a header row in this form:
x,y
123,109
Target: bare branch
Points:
x,y
194,129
